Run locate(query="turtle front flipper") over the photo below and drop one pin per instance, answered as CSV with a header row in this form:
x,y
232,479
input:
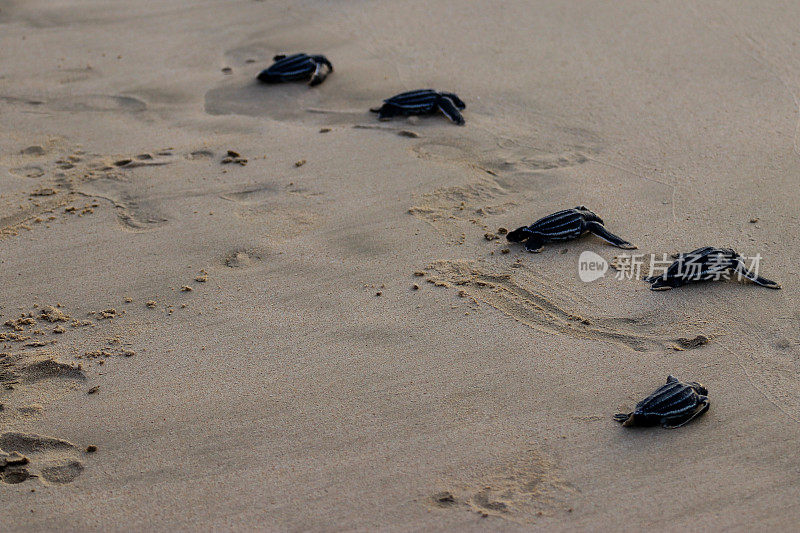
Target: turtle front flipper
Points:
x,y
265,76
535,243
686,419
661,284
519,234
321,72
448,107
279,57
664,283
755,278
387,111
601,231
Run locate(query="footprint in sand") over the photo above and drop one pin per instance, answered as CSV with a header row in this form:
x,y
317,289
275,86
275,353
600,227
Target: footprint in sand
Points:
x,y
33,367
28,171
25,455
200,155
256,195
243,258
284,212
33,377
88,175
133,212
138,215
98,103
87,102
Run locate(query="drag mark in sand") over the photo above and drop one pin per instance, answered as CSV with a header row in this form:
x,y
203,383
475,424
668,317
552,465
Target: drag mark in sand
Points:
x,y
525,302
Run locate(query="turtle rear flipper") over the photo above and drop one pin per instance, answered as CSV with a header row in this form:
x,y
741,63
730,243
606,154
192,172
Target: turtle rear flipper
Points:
x,y
755,278
601,231
535,243
387,111
622,417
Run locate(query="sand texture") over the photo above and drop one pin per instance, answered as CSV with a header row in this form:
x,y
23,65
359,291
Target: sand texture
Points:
x,y
233,306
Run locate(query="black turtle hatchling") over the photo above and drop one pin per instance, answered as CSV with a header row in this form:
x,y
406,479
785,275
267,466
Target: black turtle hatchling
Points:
x,y
422,102
705,264
562,226
297,67
671,406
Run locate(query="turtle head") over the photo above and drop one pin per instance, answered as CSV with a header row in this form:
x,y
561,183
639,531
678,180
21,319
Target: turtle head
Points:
x,y
699,388
588,215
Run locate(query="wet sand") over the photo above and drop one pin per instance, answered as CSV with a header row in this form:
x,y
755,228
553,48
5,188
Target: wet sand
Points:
x,y
322,333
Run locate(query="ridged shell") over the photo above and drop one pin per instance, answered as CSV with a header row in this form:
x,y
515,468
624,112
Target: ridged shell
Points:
x,y
566,224
708,260
421,101
293,67
671,399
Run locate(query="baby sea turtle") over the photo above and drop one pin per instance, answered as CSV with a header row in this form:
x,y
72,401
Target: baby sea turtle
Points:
x,y
705,264
563,226
297,67
672,406
422,102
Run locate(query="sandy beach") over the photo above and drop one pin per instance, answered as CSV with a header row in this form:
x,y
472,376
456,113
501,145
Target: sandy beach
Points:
x,y
228,305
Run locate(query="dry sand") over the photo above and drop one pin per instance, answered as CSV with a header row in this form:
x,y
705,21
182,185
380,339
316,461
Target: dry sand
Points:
x,y
309,380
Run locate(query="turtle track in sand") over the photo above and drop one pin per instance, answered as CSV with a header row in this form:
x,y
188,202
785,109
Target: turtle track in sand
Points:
x,y
518,491
769,360
525,301
500,176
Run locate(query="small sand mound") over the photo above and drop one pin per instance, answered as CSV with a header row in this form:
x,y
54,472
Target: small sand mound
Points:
x,y
689,344
53,314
